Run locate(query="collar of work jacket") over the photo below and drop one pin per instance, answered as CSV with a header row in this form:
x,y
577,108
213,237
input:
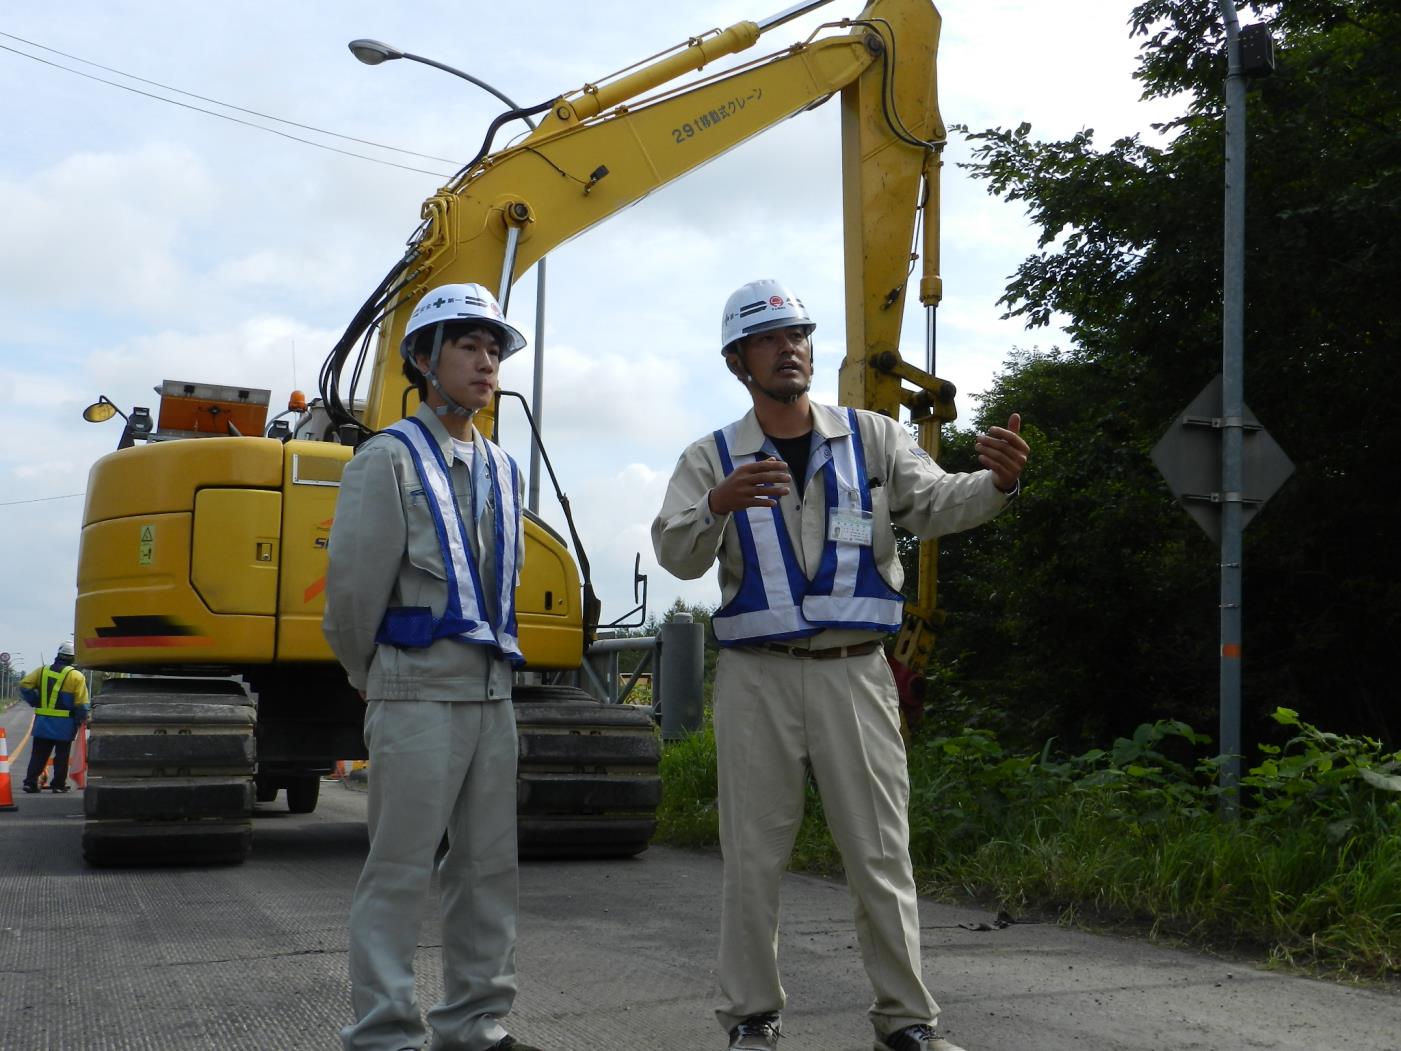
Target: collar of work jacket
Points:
x,y
434,423
826,421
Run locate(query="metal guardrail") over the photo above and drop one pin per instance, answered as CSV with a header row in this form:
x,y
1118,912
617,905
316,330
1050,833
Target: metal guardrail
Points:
x,y
675,659
603,677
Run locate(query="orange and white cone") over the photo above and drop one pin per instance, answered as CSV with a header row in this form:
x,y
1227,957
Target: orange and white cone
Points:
x,y
7,795
78,770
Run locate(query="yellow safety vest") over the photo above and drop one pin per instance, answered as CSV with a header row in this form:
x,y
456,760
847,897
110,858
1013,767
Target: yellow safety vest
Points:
x,y
50,686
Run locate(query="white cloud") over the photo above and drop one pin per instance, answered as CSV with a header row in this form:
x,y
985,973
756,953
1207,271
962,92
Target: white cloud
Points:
x,y
100,231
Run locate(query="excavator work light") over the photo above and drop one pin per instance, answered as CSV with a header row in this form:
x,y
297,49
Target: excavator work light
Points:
x,y
102,410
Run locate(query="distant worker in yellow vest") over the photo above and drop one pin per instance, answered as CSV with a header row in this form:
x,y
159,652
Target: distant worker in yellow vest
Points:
x,y
59,695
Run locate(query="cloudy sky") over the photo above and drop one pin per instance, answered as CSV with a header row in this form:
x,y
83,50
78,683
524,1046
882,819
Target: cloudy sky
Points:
x,y
141,241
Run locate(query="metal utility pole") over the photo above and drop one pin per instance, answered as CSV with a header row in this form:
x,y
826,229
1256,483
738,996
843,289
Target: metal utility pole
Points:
x,y
1218,459
1249,53
1232,410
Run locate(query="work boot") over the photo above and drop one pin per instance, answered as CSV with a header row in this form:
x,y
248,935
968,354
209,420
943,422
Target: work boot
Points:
x,y
29,789
510,1043
757,1033
61,788
915,1038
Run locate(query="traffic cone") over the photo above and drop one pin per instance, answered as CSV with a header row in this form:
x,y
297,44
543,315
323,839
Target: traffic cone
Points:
x,y
46,773
78,769
7,795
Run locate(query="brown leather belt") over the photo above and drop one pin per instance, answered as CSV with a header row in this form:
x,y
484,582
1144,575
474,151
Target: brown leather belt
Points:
x,y
832,653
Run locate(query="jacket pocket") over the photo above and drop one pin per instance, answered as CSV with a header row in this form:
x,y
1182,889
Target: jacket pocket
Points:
x,y
409,627
882,536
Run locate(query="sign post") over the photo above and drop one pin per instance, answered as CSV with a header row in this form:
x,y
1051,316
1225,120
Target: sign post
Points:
x,y
1222,498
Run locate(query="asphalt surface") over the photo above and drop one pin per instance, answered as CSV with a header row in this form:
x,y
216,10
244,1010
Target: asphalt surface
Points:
x,y
611,955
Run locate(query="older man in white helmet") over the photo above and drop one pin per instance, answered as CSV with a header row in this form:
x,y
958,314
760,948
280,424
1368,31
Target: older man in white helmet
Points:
x,y
796,502
425,556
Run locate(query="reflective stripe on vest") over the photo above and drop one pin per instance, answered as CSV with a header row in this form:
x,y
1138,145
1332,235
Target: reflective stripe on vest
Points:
x,y
50,693
775,600
466,614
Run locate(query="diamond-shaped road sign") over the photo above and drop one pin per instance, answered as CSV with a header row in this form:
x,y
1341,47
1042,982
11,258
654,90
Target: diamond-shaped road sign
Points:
x,y
1189,457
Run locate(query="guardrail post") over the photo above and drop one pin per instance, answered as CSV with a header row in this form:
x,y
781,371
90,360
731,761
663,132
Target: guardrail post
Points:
x,y
682,672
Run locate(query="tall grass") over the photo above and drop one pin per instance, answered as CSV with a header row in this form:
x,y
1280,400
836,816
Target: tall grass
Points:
x,y
1310,876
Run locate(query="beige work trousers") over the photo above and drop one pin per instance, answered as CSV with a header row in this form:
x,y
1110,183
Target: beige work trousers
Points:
x,y
776,716
436,767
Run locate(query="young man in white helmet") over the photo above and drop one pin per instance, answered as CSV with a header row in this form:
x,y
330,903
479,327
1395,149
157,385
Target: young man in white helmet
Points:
x,y
425,557
59,695
796,502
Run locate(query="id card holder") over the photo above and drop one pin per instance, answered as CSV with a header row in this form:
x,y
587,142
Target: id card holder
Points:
x,y
850,524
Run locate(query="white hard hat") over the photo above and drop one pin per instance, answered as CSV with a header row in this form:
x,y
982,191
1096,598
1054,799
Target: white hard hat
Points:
x,y
65,649
758,307
469,302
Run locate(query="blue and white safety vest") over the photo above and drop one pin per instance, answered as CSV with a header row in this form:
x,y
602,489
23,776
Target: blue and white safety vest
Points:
x,y
467,614
775,599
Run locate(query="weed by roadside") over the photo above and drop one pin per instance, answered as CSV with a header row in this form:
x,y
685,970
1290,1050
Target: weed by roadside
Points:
x,y
1310,876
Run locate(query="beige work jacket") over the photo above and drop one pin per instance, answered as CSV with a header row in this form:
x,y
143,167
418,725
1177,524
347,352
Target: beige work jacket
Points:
x,y
908,489
384,552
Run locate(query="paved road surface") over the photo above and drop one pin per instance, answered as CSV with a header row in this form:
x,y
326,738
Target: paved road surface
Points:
x,y
612,955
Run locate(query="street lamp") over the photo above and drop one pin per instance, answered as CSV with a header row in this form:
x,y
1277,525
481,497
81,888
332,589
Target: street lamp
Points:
x,y
372,53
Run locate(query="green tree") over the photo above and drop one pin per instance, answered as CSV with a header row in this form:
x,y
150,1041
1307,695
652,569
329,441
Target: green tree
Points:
x,y
1093,605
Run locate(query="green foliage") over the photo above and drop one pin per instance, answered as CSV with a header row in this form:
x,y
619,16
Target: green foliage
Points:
x,y
1310,875
1091,606
1054,619
689,815
1346,782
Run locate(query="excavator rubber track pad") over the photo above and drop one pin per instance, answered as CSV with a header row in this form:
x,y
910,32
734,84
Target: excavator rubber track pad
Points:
x,y
172,753
587,794
168,843
169,799
584,837
596,747
171,712
218,691
588,781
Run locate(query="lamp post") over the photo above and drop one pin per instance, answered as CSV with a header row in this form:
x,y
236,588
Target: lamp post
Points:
x,y
372,53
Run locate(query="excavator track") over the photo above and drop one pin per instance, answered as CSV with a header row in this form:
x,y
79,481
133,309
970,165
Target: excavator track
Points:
x,y
170,773
588,775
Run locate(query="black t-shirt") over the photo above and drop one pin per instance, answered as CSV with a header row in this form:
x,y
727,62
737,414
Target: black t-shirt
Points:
x,y
794,452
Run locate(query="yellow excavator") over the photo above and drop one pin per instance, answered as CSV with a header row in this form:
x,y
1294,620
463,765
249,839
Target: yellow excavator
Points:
x,y
203,548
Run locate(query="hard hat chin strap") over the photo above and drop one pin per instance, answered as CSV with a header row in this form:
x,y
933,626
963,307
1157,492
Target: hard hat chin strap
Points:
x,y
431,373
752,384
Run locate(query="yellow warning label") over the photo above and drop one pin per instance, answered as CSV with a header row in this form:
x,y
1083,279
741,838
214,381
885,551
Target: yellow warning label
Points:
x,y
146,549
148,534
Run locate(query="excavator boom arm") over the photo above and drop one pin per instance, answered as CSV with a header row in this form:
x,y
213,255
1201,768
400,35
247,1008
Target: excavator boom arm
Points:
x,y
585,163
